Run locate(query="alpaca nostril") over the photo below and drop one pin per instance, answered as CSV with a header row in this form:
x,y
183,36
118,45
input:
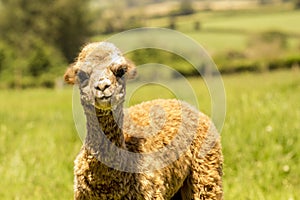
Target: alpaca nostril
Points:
x,y
97,87
102,84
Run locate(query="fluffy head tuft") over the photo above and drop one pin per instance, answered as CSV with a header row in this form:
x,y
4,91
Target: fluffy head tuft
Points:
x,y
101,72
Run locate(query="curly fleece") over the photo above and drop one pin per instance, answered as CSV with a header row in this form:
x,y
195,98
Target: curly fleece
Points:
x,y
179,148
196,174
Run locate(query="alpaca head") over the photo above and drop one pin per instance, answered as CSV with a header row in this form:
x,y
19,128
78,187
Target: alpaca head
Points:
x,y
101,72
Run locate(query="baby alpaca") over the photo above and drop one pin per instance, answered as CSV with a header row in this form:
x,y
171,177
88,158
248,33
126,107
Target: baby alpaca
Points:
x,y
176,150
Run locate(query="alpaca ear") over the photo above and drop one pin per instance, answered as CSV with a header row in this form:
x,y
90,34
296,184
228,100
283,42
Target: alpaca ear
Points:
x,y
131,69
70,75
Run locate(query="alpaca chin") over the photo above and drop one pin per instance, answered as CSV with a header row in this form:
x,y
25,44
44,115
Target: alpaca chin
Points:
x,y
103,104
111,103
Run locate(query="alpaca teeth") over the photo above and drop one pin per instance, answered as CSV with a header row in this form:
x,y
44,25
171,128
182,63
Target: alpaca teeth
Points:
x,y
99,94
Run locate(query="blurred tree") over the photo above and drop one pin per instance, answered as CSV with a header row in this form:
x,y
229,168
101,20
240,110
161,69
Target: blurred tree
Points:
x,y
2,58
132,3
61,23
197,25
73,25
42,35
267,45
172,23
39,63
186,7
262,2
117,19
297,4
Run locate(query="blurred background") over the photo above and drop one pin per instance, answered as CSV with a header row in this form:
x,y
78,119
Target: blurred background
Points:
x,y
39,38
254,43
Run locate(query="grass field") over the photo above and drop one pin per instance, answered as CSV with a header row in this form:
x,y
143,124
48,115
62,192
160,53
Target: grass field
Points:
x,y
239,39
261,141
231,29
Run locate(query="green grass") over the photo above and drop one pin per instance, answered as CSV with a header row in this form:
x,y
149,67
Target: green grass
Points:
x,y
38,144
260,138
221,31
251,21
232,30
216,42
257,21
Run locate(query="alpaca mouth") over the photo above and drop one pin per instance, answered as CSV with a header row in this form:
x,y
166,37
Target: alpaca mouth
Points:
x,y
103,102
101,96
103,99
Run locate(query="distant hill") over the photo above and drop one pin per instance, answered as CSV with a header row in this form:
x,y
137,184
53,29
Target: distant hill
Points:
x,y
162,7
130,3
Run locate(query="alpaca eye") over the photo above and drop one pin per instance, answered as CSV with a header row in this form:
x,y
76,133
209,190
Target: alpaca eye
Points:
x,y
120,72
83,78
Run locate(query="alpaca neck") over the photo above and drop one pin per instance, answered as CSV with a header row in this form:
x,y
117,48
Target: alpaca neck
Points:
x,y
104,133
103,143
110,122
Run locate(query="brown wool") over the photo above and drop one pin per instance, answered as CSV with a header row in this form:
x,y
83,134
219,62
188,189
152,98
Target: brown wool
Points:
x,y
194,173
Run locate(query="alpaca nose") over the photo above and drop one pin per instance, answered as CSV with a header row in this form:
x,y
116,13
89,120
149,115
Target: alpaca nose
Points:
x,y
102,84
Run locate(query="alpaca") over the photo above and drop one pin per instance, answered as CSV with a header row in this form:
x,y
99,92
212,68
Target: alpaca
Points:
x,y
191,168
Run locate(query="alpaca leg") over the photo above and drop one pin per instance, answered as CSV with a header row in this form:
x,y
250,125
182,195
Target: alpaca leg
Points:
x,y
79,192
177,196
206,176
185,192
79,196
205,180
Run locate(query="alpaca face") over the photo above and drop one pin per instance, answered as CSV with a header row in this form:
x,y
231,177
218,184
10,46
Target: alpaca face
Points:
x,y
101,72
